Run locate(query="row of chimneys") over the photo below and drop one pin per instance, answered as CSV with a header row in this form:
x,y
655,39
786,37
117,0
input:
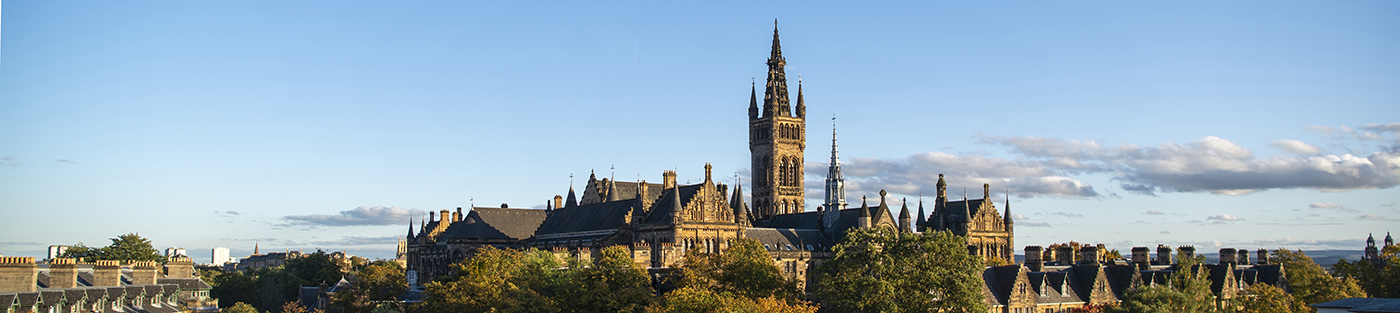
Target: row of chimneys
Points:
x,y
20,274
1089,255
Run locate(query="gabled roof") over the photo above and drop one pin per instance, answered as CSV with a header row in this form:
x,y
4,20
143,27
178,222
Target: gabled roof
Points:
x,y
592,217
1363,304
497,223
662,212
51,297
28,298
1000,280
781,238
8,299
1121,278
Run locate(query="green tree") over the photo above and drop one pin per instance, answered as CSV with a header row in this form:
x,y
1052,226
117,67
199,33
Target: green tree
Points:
x,y
123,248
234,288
745,269
1309,283
131,247
1162,299
379,281
495,280
1265,298
885,271
1377,281
240,307
614,283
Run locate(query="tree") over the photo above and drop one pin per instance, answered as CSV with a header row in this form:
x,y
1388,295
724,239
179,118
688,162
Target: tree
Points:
x,y
694,299
1265,298
240,307
128,247
1378,281
614,283
1162,299
379,281
131,247
1310,284
495,280
234,287
745,270
294,307
877,270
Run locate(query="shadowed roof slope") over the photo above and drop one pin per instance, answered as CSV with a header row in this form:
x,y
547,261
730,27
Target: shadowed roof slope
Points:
x,y
497,223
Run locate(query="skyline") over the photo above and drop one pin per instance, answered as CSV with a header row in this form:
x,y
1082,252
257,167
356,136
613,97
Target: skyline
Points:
x,y
1246,125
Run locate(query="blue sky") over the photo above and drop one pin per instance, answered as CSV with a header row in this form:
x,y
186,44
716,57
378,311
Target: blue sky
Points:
x,y
329,124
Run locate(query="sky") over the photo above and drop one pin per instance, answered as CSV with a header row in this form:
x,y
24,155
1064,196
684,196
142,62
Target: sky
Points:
x,y
330,125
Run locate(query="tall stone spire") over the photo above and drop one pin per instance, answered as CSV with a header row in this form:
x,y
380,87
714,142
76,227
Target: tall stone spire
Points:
x,y
775,95
921,224
835,182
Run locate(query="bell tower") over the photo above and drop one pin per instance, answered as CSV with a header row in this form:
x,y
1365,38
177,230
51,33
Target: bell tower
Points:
x,y
777,138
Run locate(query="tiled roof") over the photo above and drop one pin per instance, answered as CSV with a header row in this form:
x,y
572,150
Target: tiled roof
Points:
x,y
497,223
28,298
1367,305
7,299
51,297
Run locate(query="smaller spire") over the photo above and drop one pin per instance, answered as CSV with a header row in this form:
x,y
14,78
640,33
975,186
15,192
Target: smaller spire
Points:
x,y
410,227
864,209
801,106
753,98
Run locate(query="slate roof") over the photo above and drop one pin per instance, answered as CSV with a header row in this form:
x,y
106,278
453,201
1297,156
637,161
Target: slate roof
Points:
x,y
1081,279
85,279
1271,274
583,218
628,190
117,292
7,299
974,205
782,238
497,223
1048,292
51,297
96,293
1000,280
1120,278
802,220
168,288
43,279
28,298
75,294
662,212
185,283
1363,304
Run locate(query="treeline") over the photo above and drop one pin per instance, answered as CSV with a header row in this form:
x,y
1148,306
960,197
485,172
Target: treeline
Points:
x,y
128,247
1379,280
1190,291
270,289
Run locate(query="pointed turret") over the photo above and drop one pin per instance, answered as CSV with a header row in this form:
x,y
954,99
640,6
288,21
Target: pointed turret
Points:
x,y
942,200
775,95
863,220
676,207
921,224
1388,241
801,107
1007,219
410,228
572,201
255,248
904,215
753,100
612,191
741,210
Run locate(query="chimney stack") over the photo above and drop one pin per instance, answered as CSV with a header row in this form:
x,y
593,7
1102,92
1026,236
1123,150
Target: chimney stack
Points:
x,y
1243,257
558,202
18,274
1187,251
1033,254
180,267
668,179
1263,257
142,273
1065,255
63,273
1164,255
1227,256
1088,255
107,273
1140,257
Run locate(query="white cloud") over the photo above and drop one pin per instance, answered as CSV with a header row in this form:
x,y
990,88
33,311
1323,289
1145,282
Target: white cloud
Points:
x,y
375,215
1224,217
1033,224
1295,147
1371,217
358,241
918,174
1209,164
1332,206
1153,212
8,160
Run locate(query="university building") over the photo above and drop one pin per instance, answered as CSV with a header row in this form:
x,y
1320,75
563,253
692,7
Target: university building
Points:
x,y
661,221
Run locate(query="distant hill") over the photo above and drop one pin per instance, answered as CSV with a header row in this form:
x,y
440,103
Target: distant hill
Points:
x,y
1323,257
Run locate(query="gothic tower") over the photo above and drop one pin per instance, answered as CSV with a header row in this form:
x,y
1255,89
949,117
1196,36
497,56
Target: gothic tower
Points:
x,y
776,141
